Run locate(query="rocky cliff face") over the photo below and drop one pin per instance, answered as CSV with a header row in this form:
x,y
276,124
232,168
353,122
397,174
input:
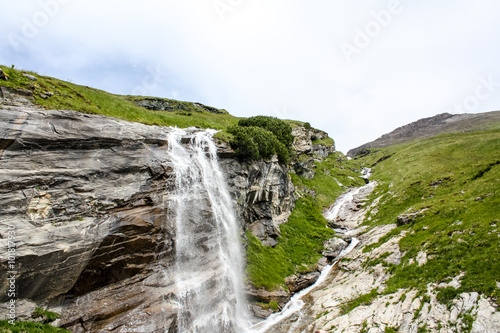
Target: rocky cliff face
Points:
x,y
264,195
86,196
308,149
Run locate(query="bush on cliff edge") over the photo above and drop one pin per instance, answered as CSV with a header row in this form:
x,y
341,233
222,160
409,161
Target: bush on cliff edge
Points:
x,y
261,137
278,127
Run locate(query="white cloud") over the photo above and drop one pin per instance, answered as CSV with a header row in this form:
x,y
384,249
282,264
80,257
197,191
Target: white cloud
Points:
x,y
280,58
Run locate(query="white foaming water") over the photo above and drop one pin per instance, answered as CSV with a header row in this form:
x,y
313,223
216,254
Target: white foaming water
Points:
x,y
366,173
209,258
340,203
296,303
345,199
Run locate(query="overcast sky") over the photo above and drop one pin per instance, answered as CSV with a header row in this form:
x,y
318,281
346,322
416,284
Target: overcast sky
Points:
x,y
356,69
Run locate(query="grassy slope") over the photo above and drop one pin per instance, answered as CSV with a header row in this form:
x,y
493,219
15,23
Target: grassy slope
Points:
x,y
89,100
456,177
301,241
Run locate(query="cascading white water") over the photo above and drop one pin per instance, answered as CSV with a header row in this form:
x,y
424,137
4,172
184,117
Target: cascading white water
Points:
x,y
341,203
209,259
340,207
296,303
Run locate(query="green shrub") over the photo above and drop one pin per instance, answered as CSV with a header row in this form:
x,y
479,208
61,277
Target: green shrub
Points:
x,y
278,127
252,143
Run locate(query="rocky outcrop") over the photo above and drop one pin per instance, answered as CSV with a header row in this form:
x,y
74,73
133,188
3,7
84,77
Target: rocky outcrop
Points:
x,y
408,218
15,97
164,104
84,195
298,282
309,147
264,195
306,141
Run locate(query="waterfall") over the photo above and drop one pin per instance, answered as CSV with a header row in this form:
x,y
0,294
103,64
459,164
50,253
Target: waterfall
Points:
x,y
209,258
342,203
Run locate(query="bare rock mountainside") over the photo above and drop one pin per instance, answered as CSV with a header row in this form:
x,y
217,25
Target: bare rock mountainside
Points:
x,y
428,127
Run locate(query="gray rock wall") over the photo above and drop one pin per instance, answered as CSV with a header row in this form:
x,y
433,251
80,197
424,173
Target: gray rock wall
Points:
x,y
264,195
84,195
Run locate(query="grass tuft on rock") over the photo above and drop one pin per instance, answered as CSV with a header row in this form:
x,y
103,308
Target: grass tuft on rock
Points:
x,y
29,327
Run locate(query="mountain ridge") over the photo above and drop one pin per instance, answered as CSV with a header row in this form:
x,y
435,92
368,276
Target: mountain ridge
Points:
x,y
431,126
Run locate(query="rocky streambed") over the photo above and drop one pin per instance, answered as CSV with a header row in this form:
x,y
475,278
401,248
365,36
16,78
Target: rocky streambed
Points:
x,y
344,214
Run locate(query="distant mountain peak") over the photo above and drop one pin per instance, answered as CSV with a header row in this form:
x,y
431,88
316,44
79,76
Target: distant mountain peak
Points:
x,y
431,126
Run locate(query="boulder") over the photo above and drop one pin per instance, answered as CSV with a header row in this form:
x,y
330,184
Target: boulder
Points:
x,y
408,218
333,247
3,76
30,77
260,312
298,282
280,296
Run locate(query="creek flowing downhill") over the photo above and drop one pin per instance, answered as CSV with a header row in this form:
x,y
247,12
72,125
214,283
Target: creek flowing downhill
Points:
x,y
209,258
296,303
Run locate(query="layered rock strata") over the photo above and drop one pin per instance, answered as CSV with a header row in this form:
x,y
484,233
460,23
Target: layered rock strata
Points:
x,y
84,195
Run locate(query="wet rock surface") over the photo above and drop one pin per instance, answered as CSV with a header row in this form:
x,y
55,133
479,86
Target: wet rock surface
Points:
x,y
84,195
